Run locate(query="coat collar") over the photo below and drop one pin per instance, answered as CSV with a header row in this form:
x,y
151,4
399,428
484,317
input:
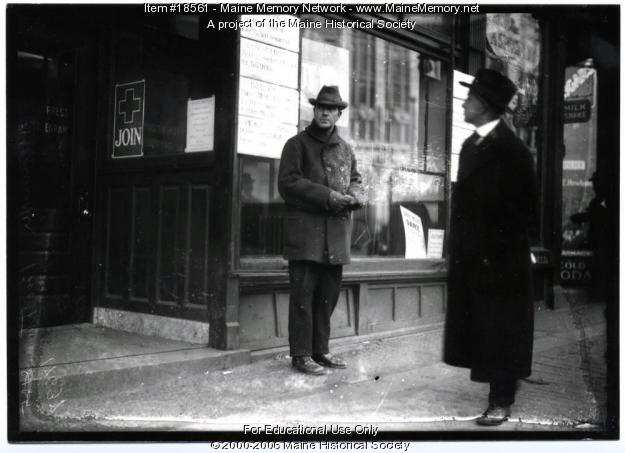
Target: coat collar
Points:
x,y
319,134
484,152
487,128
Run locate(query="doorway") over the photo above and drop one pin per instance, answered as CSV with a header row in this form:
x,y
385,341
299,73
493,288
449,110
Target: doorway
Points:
x,y
51,111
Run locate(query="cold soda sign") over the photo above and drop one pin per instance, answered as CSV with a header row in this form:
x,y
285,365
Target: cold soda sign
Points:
x,y
128,124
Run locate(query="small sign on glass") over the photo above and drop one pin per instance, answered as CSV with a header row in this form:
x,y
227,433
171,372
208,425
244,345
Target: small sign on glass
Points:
x,y
200,124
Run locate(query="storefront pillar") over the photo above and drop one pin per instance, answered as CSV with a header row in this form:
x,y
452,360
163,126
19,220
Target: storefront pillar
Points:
x,y
550,173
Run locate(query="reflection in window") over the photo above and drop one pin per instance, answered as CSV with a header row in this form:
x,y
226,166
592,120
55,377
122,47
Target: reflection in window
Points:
x,y
396,123
262,209
44,117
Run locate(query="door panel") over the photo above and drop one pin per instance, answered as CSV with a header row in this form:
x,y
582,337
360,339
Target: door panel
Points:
x,y
157,246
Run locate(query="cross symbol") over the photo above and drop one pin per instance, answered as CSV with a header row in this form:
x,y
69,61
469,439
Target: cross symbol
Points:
x,y
129,105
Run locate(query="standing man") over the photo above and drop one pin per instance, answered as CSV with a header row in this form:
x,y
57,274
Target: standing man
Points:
x,y
320,184
490,314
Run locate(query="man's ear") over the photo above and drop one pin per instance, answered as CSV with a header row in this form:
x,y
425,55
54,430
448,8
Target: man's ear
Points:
x,y
340,113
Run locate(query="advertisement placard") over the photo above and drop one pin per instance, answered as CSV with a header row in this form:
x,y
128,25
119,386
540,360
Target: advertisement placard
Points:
x,y
128,119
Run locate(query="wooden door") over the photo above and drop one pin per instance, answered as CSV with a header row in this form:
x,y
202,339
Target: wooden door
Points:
x,y
155,208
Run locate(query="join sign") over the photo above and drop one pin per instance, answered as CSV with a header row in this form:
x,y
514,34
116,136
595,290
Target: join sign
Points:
x,y
128,123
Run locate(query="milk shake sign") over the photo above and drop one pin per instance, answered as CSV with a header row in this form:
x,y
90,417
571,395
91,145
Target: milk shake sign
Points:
x,y
128,124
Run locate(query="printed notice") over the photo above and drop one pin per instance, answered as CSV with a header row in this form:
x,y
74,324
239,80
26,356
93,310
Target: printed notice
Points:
x,y
200,125
435,243
268,63
415,239
261,137
277,30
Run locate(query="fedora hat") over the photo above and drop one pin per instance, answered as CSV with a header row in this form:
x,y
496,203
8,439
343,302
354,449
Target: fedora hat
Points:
x,y
329,95
495,88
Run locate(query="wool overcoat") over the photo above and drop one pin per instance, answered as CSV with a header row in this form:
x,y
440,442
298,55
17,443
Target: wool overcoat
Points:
x,y
490,315
310,168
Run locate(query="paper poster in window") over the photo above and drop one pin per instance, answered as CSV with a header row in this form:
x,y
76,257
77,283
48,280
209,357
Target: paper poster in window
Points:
x,y
415,238
200,124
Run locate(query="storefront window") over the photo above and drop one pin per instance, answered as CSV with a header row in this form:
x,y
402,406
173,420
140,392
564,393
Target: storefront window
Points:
x,y
156,80
396,124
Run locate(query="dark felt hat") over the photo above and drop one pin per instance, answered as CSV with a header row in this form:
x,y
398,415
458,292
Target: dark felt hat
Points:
x,y
494,87
329,95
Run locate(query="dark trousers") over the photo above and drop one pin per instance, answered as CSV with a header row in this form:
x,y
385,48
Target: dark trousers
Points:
x,y
315,291
502,392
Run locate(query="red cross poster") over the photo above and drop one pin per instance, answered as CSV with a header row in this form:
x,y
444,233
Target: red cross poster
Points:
x,y
128,123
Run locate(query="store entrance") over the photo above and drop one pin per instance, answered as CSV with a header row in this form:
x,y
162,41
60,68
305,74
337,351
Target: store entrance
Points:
x,y
50,154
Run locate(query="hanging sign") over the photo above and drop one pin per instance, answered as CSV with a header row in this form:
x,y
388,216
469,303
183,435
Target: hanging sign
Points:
x,y
128,119
577,111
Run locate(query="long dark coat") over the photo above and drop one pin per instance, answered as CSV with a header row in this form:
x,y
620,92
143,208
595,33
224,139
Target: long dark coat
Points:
x,y
490,313
310,168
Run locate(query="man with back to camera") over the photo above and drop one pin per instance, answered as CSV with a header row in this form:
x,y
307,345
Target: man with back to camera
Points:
x,y
320,185
490,313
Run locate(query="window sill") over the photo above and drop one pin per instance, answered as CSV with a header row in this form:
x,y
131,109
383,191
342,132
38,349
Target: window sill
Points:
x,y
274,270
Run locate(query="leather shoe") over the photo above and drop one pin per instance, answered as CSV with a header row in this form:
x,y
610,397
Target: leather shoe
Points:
x,y
329,360
494,416
306,365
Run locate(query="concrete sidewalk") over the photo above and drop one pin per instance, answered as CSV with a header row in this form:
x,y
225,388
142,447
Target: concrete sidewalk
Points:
x,y
392,384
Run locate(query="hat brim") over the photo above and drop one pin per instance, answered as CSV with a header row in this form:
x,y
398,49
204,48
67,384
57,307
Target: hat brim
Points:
x,y
340,105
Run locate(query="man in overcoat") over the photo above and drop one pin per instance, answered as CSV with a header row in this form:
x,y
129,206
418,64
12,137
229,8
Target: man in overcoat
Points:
x,y
320,184
490,317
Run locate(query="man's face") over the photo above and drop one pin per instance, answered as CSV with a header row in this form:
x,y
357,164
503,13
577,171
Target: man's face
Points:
x,y
474,108
326,116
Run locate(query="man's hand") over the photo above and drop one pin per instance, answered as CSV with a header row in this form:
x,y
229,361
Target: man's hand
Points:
x,y
355,203
339,202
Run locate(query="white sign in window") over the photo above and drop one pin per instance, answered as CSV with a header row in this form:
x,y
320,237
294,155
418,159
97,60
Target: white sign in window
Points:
x,y
415,238
271,64
277,30
263,137
436,240
200,124
267,101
